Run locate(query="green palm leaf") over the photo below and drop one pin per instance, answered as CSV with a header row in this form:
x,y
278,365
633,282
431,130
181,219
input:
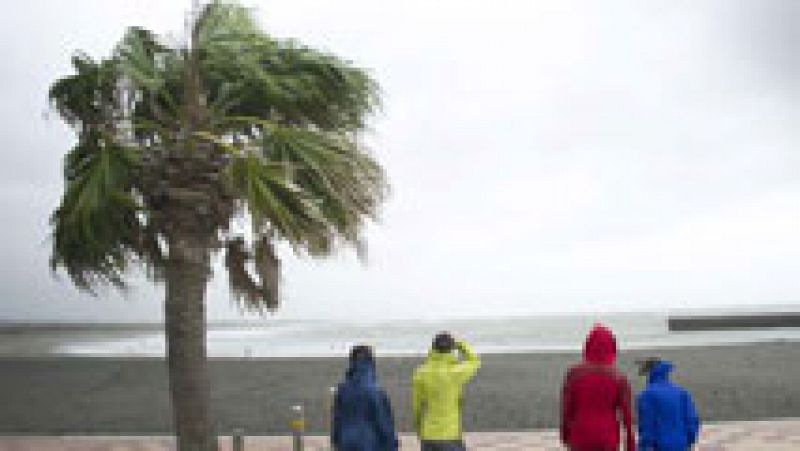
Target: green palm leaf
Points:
x,y
96,227
276,140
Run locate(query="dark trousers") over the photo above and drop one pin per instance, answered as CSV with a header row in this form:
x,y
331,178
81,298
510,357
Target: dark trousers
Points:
x,y
442,445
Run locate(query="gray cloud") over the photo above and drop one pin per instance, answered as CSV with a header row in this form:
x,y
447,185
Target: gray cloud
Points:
x,y
769,39
544,155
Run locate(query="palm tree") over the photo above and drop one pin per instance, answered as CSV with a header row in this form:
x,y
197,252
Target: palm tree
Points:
x,y
174,142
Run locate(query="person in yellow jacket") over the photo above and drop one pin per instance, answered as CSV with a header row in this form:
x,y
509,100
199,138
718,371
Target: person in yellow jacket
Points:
x,y
437,390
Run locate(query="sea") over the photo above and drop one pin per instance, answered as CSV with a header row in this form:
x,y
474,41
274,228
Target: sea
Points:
x,y
280,338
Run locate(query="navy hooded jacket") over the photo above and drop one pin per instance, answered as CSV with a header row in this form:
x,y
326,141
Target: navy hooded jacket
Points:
x,y
362,415
667,416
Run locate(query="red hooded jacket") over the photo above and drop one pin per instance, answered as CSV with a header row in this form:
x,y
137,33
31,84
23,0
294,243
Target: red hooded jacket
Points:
x,y
595,395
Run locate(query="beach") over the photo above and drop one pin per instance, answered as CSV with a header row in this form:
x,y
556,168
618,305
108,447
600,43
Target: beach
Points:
x,y
54,395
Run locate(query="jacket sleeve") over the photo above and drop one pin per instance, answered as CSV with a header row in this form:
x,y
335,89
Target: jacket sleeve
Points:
x,y
691,418
469,364
384,421
646,417
566,408
336,423
625,408
417,402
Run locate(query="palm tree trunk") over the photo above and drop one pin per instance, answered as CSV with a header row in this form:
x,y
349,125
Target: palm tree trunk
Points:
x,y
185,324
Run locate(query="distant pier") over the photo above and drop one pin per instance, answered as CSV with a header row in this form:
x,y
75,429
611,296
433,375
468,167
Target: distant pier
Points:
x,y
733,322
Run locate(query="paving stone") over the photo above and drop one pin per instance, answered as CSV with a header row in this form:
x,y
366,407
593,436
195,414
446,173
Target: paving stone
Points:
x,y
772,435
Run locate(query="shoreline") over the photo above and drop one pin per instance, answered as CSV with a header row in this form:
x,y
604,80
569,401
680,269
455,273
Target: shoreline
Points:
x,y
144,344
556,350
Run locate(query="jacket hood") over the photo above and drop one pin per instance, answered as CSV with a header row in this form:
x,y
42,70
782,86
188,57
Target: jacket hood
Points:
x,y
362,371
600,346
660,372
446,357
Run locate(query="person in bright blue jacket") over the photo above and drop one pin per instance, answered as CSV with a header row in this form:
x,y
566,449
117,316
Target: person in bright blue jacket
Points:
x,y
667,416
362,414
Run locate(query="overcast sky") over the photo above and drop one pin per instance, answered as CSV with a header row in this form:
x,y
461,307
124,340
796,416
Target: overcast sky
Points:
x,y
544,155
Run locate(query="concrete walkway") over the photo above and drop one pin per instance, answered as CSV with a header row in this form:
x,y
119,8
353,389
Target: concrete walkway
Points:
x,y
777,435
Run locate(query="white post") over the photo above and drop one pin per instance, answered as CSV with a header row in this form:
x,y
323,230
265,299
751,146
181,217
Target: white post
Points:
x,y
238,439
298,426
328,414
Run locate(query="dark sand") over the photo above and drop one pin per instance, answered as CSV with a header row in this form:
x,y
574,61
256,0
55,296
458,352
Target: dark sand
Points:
x,y
59,395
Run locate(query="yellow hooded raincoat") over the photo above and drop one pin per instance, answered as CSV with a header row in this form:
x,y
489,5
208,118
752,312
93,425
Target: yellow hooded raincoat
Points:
x,y
437,391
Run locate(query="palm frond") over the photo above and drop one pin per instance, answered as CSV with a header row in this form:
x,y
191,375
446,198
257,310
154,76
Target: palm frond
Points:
x,y
142,58
281,118
249,293
225,24
273,200
96,227
268,268
87,100
281,80
153,73
341,179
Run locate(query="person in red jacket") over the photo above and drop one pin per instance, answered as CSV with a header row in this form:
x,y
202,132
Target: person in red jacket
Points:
x,y
595,397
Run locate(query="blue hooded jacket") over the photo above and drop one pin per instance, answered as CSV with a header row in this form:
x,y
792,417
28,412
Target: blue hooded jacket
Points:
x,y
362,414
667,416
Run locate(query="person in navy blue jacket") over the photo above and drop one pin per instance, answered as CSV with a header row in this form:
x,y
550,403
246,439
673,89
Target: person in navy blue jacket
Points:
x,y
362,415
667,416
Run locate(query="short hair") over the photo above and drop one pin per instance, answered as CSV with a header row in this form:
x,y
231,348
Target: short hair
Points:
x,y
361,352
444,342
647,364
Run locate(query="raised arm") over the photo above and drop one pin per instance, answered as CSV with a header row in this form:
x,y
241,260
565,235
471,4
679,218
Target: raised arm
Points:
x,y
470,361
